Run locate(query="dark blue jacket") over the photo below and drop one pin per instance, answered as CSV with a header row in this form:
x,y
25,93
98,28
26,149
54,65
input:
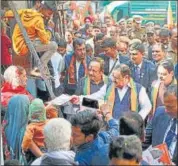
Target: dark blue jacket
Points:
x,y
122,59
96,151
157,129
147,73
70,88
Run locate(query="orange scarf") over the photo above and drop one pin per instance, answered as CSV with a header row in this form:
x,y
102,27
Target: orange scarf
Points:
x,y
72,72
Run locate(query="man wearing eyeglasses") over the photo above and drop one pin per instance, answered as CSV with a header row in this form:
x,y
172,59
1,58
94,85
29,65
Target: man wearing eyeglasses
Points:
x,y
143,71
166,78
95,79
122,94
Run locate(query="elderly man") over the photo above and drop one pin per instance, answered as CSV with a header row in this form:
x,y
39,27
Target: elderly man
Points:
x,y
95,79
57,133
143,71
122,94
165,74
75,66
33,21
111,56
137,32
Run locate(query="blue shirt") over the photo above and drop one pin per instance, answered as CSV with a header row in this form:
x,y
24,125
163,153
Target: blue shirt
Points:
x,y
92,152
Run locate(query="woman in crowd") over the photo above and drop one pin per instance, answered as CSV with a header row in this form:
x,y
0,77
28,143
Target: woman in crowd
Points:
x,y
14,126
34,130
15,83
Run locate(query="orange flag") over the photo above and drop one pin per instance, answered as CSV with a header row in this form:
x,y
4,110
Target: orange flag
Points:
x,y
169,16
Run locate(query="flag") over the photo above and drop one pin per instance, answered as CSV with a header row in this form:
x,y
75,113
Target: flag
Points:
x,y
169,16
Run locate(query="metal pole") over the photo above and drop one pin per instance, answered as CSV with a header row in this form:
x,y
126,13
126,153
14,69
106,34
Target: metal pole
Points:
x,y
31,48
63,19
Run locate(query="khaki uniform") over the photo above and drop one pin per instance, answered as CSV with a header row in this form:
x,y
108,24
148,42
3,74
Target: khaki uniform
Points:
x,y
123,33
137,34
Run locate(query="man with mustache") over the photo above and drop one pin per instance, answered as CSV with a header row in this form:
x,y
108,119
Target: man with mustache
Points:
x,y
95,78
75,66
122,94
165,75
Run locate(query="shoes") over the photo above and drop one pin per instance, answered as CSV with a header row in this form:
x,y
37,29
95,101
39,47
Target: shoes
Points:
x,y
35,73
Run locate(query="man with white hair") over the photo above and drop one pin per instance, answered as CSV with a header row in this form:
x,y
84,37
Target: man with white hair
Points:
x,y
57,134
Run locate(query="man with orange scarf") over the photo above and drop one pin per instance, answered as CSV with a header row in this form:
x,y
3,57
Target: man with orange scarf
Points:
x,y
122,94
75,66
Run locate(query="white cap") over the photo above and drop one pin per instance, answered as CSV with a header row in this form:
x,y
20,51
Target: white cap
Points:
x,y
137,18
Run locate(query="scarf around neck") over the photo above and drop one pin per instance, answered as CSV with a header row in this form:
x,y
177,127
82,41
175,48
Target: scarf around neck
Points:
x,y
72,71
110,96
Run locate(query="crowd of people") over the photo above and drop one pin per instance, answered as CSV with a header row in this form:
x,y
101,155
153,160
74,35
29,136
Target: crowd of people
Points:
x,y
130,68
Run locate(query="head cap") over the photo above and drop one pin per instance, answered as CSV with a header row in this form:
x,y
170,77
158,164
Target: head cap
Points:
x,y
137,18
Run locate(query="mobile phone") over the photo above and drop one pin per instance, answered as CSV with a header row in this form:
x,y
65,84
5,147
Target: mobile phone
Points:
x,y
90,103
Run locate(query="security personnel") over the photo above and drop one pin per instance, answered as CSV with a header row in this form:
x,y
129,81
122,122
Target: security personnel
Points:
x,y
129,22
122,26
137,31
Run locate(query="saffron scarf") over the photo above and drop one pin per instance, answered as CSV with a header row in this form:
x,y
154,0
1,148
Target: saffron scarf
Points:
x,y
86,89
110,96
154,94
72,72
